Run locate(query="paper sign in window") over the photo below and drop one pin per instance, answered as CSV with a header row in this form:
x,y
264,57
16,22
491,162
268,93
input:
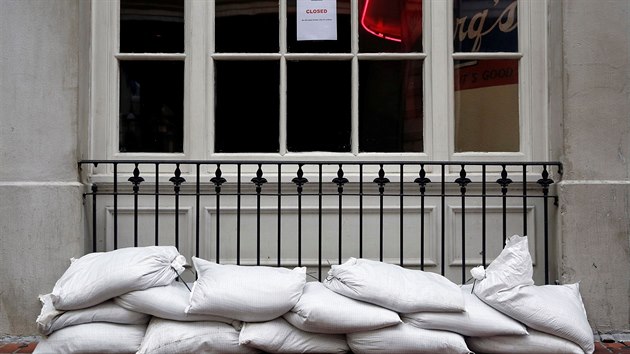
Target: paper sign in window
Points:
x,y
316,20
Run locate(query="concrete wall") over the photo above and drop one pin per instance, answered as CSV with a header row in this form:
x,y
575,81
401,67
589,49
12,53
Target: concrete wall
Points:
x,y
40,197
595,192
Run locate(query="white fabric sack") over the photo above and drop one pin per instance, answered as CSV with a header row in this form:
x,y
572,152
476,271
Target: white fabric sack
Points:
x,y
479,319
406,339
321,310
97,337
50,320
534,343
394,287
246,293
100,276
553,309
168,337
168,302
278,336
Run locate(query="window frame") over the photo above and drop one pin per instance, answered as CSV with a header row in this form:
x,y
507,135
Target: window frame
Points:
x,y
438,86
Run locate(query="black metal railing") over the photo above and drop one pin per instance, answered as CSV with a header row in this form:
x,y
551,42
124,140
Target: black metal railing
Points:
x,y
517,185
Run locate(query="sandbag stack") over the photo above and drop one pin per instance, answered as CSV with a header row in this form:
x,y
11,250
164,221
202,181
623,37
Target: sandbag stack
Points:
x,y
363,306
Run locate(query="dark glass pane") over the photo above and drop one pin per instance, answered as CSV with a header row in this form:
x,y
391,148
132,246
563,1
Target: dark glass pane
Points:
x,y
486,106
155,26
247,26
390,106
318,106
247,106
485,25
340,45
151,106
390,26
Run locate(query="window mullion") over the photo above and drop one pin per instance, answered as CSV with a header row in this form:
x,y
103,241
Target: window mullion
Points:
x,y
354,105
440,91
283,78
210,84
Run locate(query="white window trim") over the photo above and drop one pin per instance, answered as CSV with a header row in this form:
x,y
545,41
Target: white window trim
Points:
x,y
437,96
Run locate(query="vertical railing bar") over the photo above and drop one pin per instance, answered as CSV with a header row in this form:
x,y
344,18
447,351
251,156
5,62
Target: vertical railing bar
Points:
x,y
443,219
177,208
340,180
524,200
381,180
544,182
299,190
218,219
279,214
238,214
135,180
258,180
340,227
319,236
157,204
361,210
94,191
115,205
483,214
463,181
504,182
197,207
401,214
422,191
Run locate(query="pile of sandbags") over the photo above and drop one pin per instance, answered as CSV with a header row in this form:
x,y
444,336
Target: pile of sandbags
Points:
x,y
132,301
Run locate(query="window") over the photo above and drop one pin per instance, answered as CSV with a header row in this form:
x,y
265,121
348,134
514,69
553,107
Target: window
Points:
x,y
407,79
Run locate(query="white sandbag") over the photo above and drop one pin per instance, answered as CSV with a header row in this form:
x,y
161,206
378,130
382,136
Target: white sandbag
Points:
x,y
534,343
246,293
97,337
478,320
321,310
394,287
50,320
168,302
406,339
278,336
168,337
554,309
100,276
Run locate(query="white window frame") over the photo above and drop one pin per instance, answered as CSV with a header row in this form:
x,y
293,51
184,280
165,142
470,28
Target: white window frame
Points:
x,y
438,87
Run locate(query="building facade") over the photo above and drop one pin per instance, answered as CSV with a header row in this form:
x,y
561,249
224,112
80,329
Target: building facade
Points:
x,y
71,73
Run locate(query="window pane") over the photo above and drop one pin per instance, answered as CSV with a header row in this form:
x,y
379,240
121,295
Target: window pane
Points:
x,y
247,106
318,106
486,106
152,26
151,106
390,26
390,106
247,26
341,45
485,25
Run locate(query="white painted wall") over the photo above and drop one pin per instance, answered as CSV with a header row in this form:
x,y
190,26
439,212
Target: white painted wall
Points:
x,y
40,199
595,192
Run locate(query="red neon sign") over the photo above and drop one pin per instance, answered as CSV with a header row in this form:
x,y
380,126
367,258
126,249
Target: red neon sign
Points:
x,y
375,21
